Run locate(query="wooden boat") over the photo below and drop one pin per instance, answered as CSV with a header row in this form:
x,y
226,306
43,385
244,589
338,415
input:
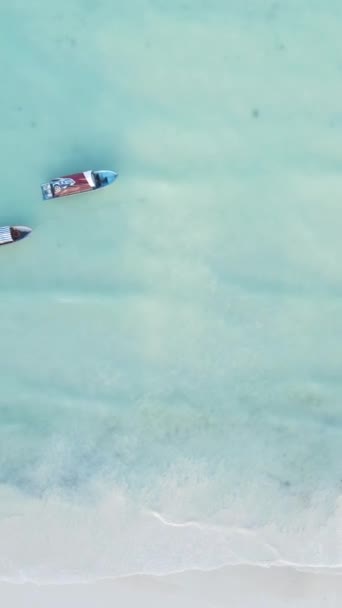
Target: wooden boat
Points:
x,y
11,234
76,183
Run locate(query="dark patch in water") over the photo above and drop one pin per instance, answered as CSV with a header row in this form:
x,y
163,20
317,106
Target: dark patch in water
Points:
x,y
273,11
255,113
69,41
284,483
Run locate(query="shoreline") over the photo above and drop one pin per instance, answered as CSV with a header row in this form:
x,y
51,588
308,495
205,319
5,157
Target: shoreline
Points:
x,y
241,586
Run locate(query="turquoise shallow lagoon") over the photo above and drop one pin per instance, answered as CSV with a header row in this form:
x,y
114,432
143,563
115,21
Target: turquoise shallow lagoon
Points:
x,y
171,347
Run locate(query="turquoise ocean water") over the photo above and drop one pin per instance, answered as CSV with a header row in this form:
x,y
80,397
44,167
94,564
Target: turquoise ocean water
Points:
x,y
171,347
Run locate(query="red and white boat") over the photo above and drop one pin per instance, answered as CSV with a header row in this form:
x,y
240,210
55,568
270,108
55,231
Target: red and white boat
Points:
x,y
76,183
11,234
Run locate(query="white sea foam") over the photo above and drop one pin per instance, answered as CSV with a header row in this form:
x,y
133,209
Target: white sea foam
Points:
x,y
61,540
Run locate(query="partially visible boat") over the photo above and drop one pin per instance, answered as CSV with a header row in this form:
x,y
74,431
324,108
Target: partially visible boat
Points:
x,y
76,183
11,234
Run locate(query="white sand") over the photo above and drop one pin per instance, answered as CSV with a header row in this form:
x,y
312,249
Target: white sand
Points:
x,y
239,586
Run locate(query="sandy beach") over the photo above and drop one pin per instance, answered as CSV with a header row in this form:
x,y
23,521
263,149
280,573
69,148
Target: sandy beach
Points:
x,y
235,587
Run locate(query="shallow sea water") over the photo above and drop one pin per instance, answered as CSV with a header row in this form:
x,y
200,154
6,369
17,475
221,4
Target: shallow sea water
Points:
x,y
171,347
